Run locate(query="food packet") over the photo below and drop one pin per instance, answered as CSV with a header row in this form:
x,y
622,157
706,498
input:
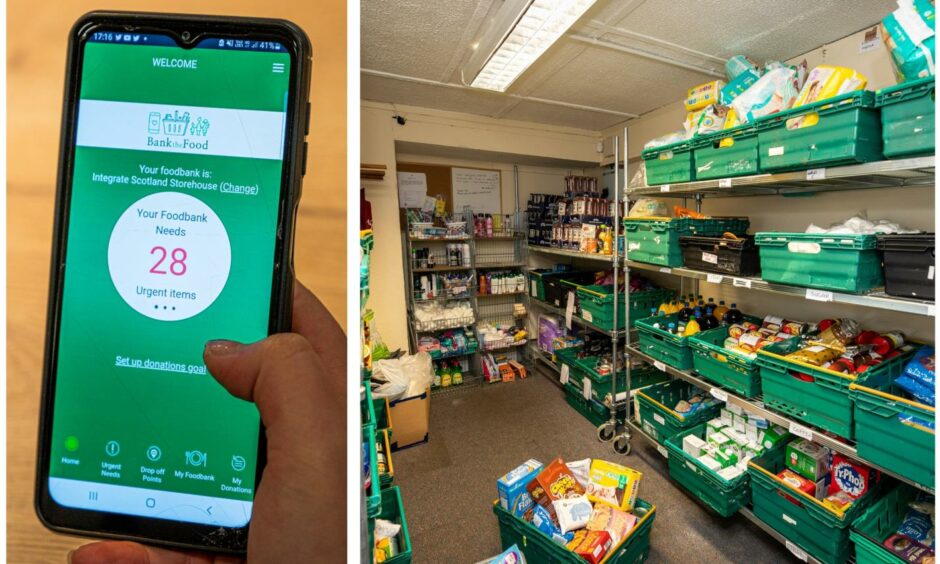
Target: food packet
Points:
x,y
828,81
581,469
917,526
617,523
511,555
592,546
573,512
558,481
613,484
648,207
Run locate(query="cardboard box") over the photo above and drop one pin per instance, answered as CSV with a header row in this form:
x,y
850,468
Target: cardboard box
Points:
x,y
692,445
513,495
411,416
714,425
808,459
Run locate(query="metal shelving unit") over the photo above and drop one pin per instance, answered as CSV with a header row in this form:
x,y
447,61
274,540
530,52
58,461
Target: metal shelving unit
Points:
x,y
570,254
616,334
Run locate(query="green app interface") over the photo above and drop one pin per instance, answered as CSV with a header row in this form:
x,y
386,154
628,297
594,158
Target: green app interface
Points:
x,y
171,242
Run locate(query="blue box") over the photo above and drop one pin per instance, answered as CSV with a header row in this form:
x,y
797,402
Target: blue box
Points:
x,y
513,495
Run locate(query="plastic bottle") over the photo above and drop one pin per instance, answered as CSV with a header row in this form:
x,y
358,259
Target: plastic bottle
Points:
x,y
708,320
446,379
710,306
456,375
663,308
671,328
685,313
720,311
694,325
489,225
733,315
483,289
437,375
466,254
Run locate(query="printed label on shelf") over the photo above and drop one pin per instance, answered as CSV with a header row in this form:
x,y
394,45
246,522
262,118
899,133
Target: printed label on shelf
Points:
x,y
664,188
930,311
759,404
774,151
659,419
569,310
719,394
588,316
662,450
709,258
724,183
535,288
816,174
801,431
742,282
818,295
564,374
665,269
659,365
714,278
797,551
586,390
930,272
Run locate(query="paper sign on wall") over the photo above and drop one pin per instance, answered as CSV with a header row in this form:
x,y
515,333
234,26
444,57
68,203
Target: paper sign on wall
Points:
x,y
477,189
412,189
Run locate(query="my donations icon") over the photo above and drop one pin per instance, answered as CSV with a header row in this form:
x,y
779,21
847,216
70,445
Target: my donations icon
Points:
x,y
169,256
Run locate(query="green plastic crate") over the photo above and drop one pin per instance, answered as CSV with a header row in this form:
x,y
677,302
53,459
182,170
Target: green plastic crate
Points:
x,y
655,240
907,118
823,402
885,419
728,153
602,385
594,411
845,263
879,522
799,517
385,478
537,283
669,164
393,510
848,131
724,497
538,547
597,305
657,417
722,367
662,345
374,492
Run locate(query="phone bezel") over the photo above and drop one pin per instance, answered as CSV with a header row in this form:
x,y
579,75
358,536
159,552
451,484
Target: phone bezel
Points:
x,y
114,525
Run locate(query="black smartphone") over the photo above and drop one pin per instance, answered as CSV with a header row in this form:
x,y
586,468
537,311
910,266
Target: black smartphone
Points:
x,y
180,168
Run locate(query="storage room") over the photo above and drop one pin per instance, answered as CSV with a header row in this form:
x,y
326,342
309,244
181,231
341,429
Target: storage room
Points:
x,y
647,281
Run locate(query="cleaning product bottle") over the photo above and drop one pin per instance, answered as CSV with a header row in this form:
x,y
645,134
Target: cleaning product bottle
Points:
x,y
489,225
446,380
456,375
437,374
733,315
694,325
720,311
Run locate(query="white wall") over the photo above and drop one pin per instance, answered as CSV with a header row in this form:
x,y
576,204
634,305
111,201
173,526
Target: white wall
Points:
x,y
379,133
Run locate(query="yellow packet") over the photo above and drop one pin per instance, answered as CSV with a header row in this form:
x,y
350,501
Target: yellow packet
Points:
x,y
613,484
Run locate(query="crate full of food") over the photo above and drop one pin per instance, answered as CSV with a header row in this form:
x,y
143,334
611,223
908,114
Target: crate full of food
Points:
x,y
655,240
662,337
896,529
840,130
841,262
396,548
907,117
597,305
895,421
727,355
667,409
808,378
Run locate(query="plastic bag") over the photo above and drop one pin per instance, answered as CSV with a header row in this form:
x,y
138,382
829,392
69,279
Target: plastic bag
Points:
x,y
639,177
667,139
402,378
712,119
774,92
738,65
648,207
909,35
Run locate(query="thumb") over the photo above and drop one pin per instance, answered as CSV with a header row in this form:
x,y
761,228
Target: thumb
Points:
x,y
275,373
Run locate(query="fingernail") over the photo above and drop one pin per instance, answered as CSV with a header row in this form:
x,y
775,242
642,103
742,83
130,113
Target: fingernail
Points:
x,y
222,347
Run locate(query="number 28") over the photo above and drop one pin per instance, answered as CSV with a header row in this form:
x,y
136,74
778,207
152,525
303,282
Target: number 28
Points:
x,y
177,261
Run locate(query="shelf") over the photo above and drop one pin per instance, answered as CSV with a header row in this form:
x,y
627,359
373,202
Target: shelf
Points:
x,y
636,430
520,293
501,348
501,237
500,265
437,239
575,319
470,380
440,269
756,406
876,300
570,254
454,355
918,171
441,325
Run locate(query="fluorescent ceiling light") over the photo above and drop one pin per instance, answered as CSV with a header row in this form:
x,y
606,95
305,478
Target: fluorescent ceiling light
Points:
x,y
536,29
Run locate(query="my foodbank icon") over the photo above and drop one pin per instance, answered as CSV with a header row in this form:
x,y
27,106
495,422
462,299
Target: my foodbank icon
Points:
x,y
175,127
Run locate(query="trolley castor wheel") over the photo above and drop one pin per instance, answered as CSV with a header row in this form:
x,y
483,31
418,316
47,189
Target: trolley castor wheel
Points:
x,y
606,432
622,444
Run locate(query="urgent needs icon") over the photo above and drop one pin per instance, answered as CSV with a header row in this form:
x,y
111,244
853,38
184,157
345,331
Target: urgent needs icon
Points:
x,y
177,125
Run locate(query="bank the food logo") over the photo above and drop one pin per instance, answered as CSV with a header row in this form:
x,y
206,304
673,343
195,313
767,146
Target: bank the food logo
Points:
x,y
176,131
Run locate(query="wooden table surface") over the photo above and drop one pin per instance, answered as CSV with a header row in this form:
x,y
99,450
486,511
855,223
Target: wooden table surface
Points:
x,y
36,43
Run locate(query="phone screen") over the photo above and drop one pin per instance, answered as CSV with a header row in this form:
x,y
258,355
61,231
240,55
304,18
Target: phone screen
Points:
x,y
172,219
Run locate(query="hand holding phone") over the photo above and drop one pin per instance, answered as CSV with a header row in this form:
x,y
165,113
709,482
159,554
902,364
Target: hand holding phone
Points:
x,y
297,381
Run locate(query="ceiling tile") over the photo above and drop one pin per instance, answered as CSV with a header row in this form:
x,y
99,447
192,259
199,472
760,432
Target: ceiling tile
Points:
x,y
468,101
558,115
